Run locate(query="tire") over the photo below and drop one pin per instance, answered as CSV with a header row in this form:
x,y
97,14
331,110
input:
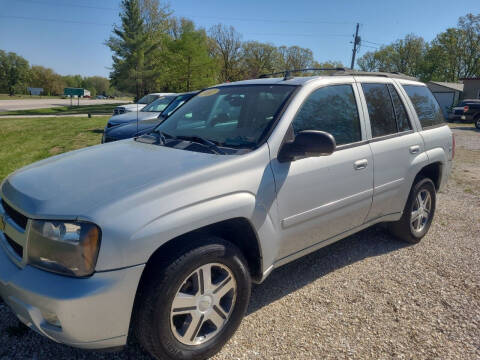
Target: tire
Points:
x,y
408,229
163,322
477,122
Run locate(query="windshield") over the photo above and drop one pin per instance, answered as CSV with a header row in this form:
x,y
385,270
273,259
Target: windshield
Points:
x,y
231,116
177,102
147,99
158,105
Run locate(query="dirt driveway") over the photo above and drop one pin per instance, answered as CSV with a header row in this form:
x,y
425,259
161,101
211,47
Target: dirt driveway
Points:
x,y
366,297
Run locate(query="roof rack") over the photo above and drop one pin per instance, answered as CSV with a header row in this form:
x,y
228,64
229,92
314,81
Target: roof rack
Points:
x,y
339,71
287,73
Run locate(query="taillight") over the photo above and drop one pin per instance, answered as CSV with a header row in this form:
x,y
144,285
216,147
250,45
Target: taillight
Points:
x,y
465,108
453,146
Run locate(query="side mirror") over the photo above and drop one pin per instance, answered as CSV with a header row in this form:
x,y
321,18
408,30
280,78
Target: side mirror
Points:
x,y
307,143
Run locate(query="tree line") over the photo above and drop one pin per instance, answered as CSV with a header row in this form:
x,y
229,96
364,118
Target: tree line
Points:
x,y
16,75
450,56
153,50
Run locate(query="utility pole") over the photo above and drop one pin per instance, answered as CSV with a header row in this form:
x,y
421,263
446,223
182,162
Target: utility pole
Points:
x,y
356,42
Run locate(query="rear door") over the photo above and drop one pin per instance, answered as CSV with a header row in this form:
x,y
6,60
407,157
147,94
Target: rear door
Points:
x,y
397,147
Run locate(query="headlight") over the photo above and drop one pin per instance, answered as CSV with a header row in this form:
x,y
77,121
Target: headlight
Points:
x,y
68,248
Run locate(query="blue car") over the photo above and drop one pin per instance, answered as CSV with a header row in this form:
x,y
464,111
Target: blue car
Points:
x,y
143,126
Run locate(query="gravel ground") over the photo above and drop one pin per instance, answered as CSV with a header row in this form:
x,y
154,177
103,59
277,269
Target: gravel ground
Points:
x,y
366,297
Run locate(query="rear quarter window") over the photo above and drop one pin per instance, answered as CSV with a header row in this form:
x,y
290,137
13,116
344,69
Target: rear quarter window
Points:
x,y
425,104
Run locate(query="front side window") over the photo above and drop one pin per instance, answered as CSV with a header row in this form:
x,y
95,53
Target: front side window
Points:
x,y
425,104
380,109
231,116
332,109
158,105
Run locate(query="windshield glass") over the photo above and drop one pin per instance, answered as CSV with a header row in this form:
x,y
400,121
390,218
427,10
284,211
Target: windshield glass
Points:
x,y
147,99
159,105
231,116
177,102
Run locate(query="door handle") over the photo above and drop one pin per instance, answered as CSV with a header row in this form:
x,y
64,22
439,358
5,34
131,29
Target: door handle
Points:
x,y
414,149
360,164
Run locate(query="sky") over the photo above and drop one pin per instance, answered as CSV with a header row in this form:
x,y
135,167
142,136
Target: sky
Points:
x,y
68,35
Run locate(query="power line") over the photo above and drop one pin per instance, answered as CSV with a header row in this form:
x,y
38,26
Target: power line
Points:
x,y
201,16
54,20
104,24
68,5
371,42
290,34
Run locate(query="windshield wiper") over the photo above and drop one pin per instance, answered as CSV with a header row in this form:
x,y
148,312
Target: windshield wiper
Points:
x,y
200,140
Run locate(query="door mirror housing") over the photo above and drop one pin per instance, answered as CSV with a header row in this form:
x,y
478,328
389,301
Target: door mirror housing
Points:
x,y
307,143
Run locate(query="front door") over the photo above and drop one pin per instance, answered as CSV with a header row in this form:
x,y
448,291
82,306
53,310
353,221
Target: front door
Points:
x,y
320,197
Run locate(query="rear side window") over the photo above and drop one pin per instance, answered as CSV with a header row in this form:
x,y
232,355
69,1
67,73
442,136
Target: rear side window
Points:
x,y
380,109
425,104
400,113
332,109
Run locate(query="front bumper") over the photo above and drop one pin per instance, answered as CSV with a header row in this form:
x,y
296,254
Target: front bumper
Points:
x,y
92,313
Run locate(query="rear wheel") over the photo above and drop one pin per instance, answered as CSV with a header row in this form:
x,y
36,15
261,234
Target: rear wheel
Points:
x,y
190,307
417,214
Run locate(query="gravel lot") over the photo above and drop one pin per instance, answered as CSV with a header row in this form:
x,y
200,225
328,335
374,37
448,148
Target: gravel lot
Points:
x,y
366,297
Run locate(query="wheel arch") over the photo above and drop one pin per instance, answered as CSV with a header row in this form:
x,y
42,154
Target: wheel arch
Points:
x,y
433,171
238,231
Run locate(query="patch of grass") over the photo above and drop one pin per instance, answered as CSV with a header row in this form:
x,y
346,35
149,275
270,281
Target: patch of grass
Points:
x,y
28,140
66,110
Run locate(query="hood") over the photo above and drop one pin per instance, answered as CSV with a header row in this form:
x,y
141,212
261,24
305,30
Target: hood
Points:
x,y
132,116
79,182
131,129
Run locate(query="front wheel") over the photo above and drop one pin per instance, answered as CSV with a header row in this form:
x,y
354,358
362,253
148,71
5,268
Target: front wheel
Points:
x,y
417,214
477,122
191,306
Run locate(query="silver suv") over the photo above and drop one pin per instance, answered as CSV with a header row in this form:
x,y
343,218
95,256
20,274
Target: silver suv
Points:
x,y
164,233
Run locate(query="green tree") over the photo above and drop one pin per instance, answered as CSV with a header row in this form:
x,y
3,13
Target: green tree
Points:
x,y
225,47
294,57
97,85
404,55
14,72
258,58
190,67
131,45
51,82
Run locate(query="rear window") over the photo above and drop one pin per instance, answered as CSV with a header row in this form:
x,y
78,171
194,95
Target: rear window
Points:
x,y
380,109
425,104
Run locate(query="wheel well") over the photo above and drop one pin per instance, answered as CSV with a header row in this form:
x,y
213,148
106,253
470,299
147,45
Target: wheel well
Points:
x,y
238,231
433,172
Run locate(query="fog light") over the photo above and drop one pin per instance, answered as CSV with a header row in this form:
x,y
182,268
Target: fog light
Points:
x,y
51,318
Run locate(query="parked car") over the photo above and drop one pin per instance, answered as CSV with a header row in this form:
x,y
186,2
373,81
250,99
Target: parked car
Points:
x,y
151,111
101,97
131,129
165,233
467,111
139,105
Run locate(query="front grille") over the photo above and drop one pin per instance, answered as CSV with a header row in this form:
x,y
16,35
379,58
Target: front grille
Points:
x,y
18,218
17,248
